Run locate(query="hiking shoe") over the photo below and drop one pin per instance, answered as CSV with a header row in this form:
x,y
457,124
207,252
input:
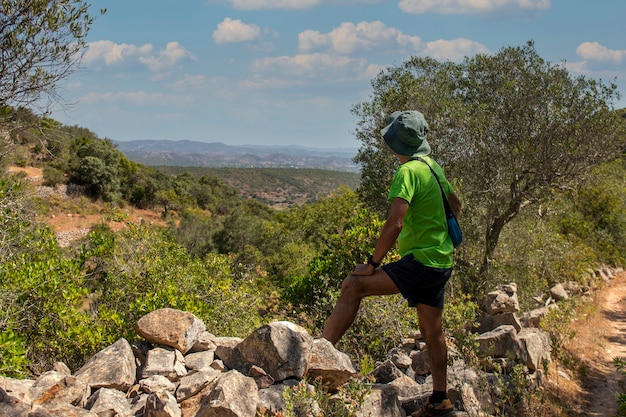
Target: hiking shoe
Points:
x,y
444,408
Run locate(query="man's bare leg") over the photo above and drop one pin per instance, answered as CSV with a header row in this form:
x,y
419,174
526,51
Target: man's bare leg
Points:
x,y
431,326
353,289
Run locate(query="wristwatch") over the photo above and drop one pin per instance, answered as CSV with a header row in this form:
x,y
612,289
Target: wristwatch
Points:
x,y
370,261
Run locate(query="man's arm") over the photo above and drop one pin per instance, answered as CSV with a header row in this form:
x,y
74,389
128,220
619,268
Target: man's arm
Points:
x,y
388,235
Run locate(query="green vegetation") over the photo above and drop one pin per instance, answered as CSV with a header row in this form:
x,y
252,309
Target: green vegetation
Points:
x,y
41,45
546,212
276,187
303,398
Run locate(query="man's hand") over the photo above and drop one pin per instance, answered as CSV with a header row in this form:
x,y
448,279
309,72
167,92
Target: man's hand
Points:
x,y
363,269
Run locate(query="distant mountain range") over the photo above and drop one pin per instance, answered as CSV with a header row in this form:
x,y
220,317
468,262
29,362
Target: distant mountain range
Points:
x,y
216,155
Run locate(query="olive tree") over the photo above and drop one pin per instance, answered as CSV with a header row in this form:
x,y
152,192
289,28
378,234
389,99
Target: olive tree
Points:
x,y
41,43
509,128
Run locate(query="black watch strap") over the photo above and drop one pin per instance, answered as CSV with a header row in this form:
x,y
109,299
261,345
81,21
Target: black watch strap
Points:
x,y
370,261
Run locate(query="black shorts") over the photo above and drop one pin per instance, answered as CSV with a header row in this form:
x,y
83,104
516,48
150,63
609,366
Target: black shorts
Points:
x,y
418,283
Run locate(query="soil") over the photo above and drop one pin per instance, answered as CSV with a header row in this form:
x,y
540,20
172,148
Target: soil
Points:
x,y
599,338
74,222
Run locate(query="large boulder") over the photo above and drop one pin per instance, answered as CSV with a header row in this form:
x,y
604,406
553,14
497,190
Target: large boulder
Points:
x,y
282,349
112,367
167,326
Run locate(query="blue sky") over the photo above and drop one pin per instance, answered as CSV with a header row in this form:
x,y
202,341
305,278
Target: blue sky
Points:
x,y
288,72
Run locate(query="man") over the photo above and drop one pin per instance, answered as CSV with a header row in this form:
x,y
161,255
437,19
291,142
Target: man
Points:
x,y
417,222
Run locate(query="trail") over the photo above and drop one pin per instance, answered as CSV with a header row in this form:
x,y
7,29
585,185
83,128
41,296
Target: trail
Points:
x,y
600,339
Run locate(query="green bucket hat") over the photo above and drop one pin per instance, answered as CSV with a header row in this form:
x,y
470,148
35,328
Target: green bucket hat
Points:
x,y
406,133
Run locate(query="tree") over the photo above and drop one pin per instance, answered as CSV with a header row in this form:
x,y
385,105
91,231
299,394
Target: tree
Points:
x,y
41,43
97,164
509,127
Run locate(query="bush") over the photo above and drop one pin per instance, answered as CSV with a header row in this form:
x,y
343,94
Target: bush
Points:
x,y
306,400
52,176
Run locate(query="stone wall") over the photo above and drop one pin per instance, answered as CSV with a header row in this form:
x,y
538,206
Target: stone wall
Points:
x,y
179,369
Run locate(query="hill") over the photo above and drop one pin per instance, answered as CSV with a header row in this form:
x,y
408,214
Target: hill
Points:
x,y
276,187
216,154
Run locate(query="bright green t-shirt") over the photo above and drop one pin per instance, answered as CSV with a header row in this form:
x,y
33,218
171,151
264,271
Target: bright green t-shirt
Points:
x,y
425,231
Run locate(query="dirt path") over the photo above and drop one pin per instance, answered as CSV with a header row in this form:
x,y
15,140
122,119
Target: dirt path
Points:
x,y
599,339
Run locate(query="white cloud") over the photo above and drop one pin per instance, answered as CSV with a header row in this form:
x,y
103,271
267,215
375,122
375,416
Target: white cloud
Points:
x,y
115,54
350,38
453,50
363,37
234,30
471,6
313,65
274,4
596,52
166,58
112,53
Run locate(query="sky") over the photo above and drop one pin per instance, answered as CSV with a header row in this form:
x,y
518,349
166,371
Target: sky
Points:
x,y
289,72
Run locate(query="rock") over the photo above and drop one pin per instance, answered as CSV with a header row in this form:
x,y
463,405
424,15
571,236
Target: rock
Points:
x,y
282,349
500,342
206,341
156,383
233,395
112,367
503,300
533,317
535,348
386,372
226,350
109,402
61,368
271,398
11,406
488,323
17,388
558,292
162,404
407,388
401,358
262,379
419,362
61,410
165,361
52,389
192,384
333,367
199,360
382,402
178,329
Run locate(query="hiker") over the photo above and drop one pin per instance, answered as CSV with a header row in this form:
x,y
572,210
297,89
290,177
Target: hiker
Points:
x,y
417,222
